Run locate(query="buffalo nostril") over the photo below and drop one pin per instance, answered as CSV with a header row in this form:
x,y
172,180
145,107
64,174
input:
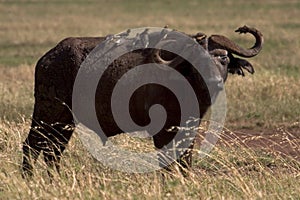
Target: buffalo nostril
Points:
x,y
220,84
216,83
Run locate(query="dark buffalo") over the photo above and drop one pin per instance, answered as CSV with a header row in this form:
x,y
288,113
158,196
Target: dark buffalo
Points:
x,y
52,121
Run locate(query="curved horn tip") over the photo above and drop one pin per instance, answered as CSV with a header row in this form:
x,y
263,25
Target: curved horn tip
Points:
x,y
243,29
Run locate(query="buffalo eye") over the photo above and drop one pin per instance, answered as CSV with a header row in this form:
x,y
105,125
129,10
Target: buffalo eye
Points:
x,y
223,59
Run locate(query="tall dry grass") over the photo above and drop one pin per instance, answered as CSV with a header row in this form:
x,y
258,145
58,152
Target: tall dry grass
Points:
x,y
231,171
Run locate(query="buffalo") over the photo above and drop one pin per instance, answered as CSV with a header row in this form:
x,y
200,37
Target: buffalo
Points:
x,y
55,73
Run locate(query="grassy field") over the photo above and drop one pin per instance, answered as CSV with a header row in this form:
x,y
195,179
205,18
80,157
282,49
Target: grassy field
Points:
x,y
264,107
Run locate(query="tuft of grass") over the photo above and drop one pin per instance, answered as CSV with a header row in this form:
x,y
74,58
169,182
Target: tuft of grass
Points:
x,y
263,100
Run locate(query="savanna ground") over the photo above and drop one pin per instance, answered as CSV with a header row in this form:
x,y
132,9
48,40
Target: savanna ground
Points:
x,y
257,156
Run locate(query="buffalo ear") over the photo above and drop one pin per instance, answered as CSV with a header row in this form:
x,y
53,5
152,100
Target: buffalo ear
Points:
x,y
245,65
237,65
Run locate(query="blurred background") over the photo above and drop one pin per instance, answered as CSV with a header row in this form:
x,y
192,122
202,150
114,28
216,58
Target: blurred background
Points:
x,y
30,28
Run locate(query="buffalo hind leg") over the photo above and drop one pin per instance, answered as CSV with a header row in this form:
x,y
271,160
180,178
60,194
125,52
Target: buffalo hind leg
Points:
x,y
32,147
56,144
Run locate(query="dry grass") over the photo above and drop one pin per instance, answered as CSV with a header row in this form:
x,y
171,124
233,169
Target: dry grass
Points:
x,y
231,171
258,104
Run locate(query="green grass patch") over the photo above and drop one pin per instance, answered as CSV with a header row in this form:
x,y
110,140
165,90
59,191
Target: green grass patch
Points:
x,y
25,53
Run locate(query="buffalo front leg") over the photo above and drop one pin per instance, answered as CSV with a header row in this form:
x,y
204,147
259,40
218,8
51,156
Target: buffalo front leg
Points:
x,y
173,148
185,159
